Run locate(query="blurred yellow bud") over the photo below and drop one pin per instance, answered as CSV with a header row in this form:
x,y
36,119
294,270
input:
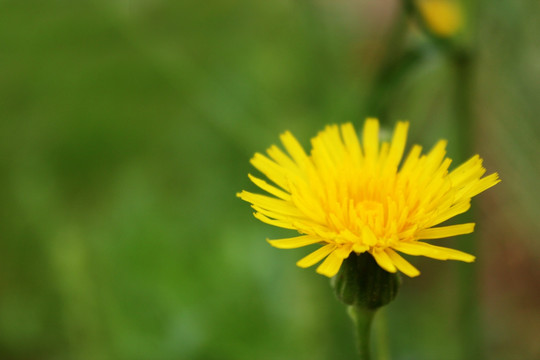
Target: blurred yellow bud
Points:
x,y
443,17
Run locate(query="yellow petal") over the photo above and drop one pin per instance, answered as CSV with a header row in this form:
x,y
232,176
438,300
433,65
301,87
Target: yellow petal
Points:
x,y
445,231
402,265
484,184
370,139
351,142
411,161
294,148
450,213
274,172
333,144
266,202
281,158
384,261
397,146
434,157
307,203
274,222
469,170
316,256
344,250
269,188
294,242
330,265
368,237
432,251
321,158
359,248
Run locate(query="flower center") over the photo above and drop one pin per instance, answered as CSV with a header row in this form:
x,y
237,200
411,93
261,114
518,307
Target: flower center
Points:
x,y
368,206
370,214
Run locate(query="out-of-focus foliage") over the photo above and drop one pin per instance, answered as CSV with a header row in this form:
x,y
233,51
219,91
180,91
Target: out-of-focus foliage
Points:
x,y
126,129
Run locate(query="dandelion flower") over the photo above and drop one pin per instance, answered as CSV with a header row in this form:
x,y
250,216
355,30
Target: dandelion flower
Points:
x,y
442,17
352,196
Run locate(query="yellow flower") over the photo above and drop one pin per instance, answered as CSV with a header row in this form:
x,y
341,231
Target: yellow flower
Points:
x,y
442,17
350,197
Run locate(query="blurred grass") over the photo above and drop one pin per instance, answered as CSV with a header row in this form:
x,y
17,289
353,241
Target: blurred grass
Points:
x,y
126,129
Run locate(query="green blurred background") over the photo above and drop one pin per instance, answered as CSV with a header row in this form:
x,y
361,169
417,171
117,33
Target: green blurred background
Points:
x,y
126,128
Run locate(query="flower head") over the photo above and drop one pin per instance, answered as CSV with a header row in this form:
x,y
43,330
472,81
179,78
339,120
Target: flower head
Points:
x,y
355,197
442,17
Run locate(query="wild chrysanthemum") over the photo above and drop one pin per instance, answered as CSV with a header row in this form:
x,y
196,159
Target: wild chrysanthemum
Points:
x,y
350,197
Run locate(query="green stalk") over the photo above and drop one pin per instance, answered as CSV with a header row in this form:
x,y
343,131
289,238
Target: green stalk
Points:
x,y
468,307
362,318
381,336
388,79
364,287
396,63
462,61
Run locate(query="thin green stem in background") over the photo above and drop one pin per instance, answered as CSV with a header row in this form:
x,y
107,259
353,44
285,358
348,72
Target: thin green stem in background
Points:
x,y
468,307
395,63
462,61
362,318
389,77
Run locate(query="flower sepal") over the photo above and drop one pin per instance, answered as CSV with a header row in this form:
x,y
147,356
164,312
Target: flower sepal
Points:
x,y
362,283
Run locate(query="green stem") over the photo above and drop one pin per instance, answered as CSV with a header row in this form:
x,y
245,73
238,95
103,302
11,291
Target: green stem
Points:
x,y
388,79
393,65
468,306
381,336
362,318
463,69
463,61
